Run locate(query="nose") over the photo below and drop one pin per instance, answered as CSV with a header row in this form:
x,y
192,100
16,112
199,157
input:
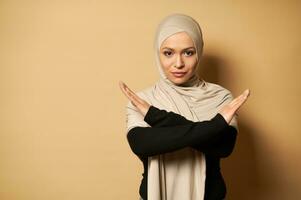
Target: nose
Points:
x,y
179,62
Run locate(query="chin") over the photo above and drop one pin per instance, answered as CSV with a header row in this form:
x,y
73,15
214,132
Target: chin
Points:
x,y
178,81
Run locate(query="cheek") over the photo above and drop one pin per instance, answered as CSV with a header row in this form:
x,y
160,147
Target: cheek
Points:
x,y
192,64
166,64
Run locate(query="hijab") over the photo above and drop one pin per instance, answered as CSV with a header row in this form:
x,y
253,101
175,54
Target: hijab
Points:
x,y
181,174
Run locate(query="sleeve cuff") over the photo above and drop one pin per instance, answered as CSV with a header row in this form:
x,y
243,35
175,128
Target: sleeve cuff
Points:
x,y
220,120
148,116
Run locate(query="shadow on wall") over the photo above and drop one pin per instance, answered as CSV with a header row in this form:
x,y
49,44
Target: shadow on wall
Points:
x,y
216,70
241,170
210,67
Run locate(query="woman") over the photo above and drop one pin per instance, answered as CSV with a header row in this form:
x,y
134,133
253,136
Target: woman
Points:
x,y
182,126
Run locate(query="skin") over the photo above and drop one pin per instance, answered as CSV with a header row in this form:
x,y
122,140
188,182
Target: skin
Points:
x,y
178,54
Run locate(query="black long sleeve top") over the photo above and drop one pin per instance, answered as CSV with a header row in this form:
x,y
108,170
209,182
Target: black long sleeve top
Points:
x,y
170,132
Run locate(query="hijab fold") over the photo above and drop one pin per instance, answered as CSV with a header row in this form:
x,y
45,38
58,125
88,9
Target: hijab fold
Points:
x,y
181,174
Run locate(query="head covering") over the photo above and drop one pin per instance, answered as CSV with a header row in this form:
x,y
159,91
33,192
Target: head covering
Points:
x,y
179,175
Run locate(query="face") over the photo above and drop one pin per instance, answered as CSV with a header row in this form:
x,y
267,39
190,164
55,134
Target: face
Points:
x,y
178,58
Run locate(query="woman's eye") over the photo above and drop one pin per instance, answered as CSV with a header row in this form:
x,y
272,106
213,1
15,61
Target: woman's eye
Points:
x,y
189,53
167,53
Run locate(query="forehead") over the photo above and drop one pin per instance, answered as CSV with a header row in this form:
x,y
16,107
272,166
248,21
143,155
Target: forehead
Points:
x,y
178,40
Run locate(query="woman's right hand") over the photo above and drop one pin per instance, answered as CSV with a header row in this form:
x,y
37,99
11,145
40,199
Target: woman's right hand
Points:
x,y
139,103
229,110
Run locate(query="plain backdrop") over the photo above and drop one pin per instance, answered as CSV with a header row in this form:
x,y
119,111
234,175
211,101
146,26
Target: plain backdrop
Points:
x,y
62,115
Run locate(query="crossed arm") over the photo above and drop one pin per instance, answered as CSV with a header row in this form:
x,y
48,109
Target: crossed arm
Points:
x,y
170,132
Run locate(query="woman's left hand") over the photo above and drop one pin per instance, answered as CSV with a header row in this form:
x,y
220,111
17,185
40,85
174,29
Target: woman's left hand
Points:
x,y
139,103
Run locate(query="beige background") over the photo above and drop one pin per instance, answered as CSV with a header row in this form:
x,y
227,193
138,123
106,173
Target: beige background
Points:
x,y
62,127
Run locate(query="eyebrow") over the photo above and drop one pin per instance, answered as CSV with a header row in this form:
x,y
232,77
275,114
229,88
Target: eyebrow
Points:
x,y
172,48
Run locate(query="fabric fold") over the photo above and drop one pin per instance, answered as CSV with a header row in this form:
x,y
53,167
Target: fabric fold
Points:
x,y
179,175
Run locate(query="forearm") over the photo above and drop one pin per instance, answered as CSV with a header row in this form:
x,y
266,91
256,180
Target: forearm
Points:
x,y
161,118
151,141
221,147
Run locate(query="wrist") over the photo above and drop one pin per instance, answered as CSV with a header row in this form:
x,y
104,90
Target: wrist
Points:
x,y
146,109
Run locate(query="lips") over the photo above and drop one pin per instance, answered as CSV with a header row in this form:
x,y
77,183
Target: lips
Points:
x,y
179,74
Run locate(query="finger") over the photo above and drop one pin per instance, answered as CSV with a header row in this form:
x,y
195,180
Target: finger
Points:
x,y
244,95
134,95
239,103
121,86
125,91
247,92
236,100
130,94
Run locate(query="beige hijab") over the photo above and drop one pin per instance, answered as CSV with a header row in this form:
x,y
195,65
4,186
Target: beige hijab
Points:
x,y
179,175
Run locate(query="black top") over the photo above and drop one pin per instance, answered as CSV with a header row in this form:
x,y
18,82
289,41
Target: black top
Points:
x,y
170,132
